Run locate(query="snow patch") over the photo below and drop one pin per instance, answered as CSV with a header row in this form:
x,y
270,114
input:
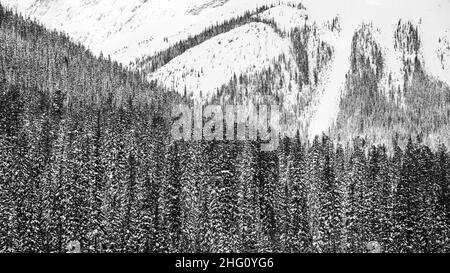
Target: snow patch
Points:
x,y
332,86
437,54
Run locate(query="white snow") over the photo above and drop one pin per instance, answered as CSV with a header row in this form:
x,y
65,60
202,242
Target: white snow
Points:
x,y
444,51
437,54
251,48
131,29
285,17
203,69
384,14
328,107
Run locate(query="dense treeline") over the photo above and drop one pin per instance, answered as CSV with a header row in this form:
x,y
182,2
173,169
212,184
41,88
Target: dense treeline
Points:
x,y
118,187
53,91
46,63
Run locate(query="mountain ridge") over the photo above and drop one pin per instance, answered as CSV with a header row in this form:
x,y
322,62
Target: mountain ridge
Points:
x,y
309,59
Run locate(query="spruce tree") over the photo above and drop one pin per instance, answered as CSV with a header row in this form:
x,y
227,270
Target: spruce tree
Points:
x,y
406,203
249,211
356,219
298,232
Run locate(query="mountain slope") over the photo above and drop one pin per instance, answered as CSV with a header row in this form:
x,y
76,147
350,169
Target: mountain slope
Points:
x,y
322,61
379,106
205,68
127,30
286,61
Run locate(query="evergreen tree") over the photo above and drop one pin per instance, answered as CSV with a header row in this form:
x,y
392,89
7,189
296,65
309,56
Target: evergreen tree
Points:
x,y
406,203
441,169
191,200
356,219
298,233
249,210
268,175
171,200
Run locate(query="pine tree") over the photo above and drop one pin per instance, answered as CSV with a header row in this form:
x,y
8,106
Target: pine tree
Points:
x,y
385,201
356,219
224,213
95,236
249,211
373,225
206,195
441,170
76,187
148,193
406,204
130,206
171,200
283,191
430,224
25,201
331,206
268,177
317,201
6,201
298,232
216,229
191,200
342,186
151,228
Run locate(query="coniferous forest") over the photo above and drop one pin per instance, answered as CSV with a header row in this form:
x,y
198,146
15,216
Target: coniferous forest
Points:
x,y
86,155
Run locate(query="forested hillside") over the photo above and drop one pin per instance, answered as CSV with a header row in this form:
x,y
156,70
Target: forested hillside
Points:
x,y
378,106
66,117
86,155
253,58
152,63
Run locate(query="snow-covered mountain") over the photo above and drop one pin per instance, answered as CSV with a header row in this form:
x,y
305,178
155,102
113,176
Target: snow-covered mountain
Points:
x,y
133,28
205,68
304,49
